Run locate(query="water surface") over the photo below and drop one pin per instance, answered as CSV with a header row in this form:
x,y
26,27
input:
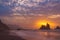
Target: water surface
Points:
x,y
37,35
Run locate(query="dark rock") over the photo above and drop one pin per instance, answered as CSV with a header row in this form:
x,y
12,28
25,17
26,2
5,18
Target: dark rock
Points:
x,y
57,27
4,33
43,27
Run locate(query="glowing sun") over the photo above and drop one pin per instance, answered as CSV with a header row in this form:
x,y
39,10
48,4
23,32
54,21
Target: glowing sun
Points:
x,y
42,23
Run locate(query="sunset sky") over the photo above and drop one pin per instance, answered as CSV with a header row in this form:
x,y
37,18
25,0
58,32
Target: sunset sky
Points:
x,y
30,14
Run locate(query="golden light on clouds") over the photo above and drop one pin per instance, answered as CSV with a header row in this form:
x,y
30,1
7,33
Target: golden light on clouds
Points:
x,y
44,22
54,16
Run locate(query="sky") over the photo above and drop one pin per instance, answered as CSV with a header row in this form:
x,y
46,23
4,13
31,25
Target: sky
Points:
x,y
30,13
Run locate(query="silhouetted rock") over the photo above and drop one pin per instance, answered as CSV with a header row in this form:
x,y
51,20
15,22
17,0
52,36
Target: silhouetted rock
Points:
x,y
3,28
43,27
19,29
47,27
57,27
4,33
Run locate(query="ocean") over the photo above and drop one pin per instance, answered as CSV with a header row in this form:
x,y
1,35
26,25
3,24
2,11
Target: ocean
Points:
x,y
37,34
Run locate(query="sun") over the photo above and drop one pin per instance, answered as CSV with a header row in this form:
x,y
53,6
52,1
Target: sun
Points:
x,y
42,23
39,23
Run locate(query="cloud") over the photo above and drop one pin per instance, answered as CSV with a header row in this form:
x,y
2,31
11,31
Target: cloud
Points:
x,y
29,6
27,15
38,0
54,16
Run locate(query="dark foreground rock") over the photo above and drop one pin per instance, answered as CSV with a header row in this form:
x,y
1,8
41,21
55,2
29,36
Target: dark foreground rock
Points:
x,y
4,33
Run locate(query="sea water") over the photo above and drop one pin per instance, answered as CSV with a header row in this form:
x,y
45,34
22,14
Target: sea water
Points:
x,y
37,35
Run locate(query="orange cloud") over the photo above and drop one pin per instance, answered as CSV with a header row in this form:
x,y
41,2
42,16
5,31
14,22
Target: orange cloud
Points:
x,y
54,16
